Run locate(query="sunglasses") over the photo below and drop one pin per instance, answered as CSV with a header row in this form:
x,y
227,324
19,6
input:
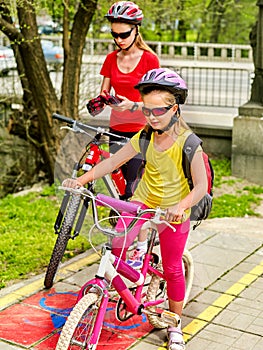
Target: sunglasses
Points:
x,y
157,112
123,35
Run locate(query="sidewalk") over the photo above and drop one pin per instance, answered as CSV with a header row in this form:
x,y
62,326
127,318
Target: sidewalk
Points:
x,y
225,309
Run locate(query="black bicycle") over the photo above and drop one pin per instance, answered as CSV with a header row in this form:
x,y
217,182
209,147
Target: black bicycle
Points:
x,y
72,210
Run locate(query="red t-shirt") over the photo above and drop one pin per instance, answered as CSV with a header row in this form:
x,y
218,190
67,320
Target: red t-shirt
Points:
x,y
123,84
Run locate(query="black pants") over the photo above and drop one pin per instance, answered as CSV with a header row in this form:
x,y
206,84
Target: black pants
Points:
x,y
129,169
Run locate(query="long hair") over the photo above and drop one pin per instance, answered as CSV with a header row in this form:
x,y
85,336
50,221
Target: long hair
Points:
x,y
141,44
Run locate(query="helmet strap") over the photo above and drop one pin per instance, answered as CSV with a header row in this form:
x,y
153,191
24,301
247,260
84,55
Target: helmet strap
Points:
x,y
172,121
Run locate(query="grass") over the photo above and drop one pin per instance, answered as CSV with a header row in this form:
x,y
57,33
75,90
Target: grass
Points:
x,y
26,227
239,204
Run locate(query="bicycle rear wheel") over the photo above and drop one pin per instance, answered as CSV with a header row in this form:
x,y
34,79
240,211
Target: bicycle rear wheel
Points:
x,y
62,241
157,289
79,327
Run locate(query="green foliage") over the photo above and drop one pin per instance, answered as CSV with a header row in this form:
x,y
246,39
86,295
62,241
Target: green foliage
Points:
x,y
222,167
240,203
230,205
222,21
27,235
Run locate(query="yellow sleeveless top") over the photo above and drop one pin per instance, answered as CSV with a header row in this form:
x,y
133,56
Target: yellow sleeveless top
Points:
x,y
163,183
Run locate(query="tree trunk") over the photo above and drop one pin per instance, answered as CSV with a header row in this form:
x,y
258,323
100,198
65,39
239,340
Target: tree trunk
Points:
x,y
74,51
39,97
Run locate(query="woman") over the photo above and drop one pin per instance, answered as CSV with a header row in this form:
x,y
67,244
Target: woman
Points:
x,y
163,183
121,71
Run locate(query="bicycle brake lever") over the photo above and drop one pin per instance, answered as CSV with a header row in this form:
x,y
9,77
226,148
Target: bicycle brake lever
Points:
x,y
157,218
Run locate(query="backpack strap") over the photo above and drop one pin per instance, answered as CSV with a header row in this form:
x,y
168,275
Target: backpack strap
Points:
x,y
189,148
144,140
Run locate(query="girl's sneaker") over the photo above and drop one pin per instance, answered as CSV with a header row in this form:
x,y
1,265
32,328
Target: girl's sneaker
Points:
x,y
136,259
175,339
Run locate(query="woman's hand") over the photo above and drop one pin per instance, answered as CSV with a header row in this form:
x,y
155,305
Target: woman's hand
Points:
x,y
175,213
72,183
123,105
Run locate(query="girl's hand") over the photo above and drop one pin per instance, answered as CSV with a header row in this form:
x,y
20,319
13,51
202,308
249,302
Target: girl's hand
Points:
x,y
175,213
72,183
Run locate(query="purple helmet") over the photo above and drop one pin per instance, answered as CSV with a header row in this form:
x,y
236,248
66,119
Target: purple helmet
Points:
x,y
164,77
125,11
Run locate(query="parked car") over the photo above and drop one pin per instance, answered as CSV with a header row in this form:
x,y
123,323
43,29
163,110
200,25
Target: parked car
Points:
x,y
54,55
45,29
7,60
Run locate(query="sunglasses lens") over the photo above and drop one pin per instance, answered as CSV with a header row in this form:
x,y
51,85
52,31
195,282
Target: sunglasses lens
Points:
x,y
124,35
115,35
157,112
146,111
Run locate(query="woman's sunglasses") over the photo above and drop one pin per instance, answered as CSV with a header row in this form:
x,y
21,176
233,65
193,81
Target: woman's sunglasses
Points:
x,y
123,35
157,112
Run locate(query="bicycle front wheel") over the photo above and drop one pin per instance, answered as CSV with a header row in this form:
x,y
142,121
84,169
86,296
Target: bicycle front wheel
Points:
x,y
62,241
78,331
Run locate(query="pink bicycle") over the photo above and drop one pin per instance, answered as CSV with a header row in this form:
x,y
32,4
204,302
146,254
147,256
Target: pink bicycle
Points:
x,y
83,326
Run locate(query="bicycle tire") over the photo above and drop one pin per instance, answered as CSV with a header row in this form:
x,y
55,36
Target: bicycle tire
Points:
x,y
158,285
79,326
62,241
188,264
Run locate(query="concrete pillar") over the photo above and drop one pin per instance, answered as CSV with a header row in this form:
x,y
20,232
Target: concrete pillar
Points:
x,y
247,143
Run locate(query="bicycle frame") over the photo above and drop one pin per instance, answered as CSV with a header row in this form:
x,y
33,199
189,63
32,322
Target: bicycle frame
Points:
x,y
93,155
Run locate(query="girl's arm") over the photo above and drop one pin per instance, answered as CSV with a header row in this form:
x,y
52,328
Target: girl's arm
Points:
x,y
198,172
105,167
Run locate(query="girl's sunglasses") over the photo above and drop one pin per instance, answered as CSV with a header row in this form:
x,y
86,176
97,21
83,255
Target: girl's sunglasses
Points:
x,y
123,35
157,112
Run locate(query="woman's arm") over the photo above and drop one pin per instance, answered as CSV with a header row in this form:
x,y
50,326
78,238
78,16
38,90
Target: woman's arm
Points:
x,y
105,167
105,85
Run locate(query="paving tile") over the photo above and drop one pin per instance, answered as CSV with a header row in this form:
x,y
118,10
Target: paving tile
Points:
x,y
80,277
234,319
5,346
245,266
220,335
230,242
254,292
220,286
207,297
214,256
204,275
246,342
233,276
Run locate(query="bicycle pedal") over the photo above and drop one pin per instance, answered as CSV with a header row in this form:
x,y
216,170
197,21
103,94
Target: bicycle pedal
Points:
x,y
171,318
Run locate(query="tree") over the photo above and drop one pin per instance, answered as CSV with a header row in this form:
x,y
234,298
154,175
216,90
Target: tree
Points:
x,y
39,96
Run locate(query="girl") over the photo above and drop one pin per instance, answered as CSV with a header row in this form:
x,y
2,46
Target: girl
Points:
x,y
163,183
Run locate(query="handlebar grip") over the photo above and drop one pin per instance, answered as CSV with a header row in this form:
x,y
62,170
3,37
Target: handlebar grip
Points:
x,y
117,204
62,118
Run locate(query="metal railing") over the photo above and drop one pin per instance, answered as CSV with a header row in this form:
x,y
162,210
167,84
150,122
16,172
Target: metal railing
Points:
x,y
218,87
208,86
169,49
182,50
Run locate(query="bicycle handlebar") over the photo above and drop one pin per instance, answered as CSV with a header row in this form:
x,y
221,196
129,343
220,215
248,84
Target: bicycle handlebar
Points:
x,y
78,125
118,205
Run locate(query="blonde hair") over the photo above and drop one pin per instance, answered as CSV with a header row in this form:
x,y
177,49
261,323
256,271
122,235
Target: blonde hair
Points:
x,y
141,44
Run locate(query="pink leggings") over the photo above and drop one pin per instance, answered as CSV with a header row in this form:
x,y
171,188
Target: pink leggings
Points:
x,y
172,246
